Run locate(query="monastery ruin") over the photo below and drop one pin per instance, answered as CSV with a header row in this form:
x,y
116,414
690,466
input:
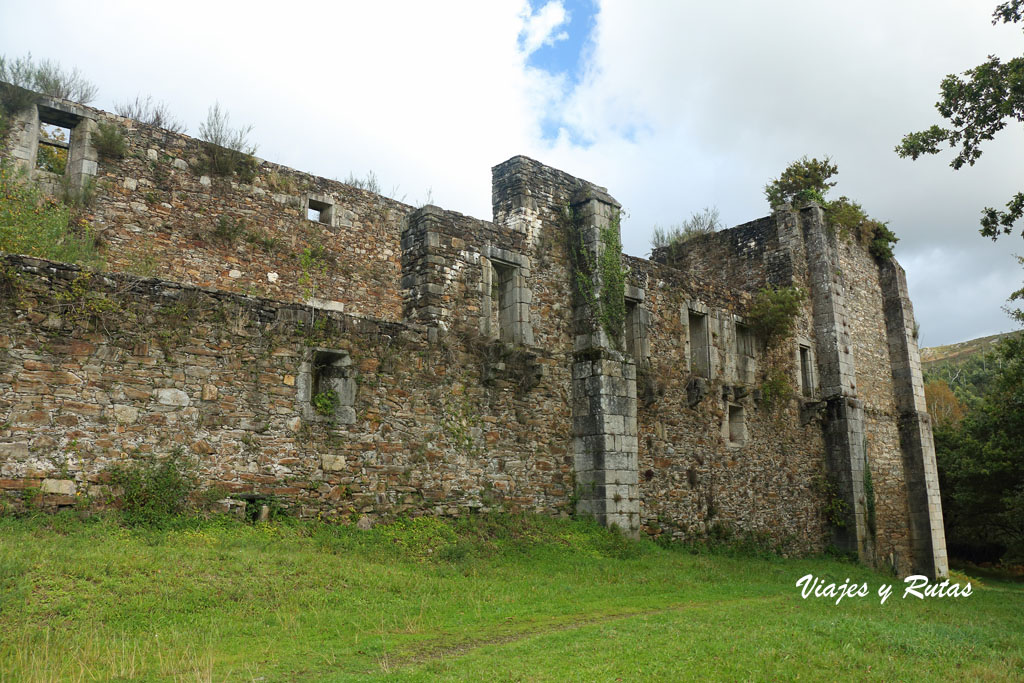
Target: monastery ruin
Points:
x,y
301,340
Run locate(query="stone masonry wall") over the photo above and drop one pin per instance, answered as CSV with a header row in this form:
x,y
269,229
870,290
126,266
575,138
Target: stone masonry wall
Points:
x,y
694,480
161,216
104,370
874,386
464,379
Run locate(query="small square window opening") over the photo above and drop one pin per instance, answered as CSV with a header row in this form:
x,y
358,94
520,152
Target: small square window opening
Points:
x,y
319,211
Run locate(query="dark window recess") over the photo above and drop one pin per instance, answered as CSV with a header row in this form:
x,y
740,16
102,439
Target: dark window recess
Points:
x,y
700,361
744,341
806,372
328,366
504,309
636,331
737,426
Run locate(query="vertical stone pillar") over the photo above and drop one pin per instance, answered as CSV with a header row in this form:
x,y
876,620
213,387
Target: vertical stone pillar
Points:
x,y
928,539
82,156
604,433
23,138
844,414
423,269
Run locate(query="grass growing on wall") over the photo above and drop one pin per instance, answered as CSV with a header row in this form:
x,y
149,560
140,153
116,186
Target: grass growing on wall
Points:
x,y
35,224
489,598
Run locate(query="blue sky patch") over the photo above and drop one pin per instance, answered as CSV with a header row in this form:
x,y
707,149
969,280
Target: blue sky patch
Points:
x,y
566,56
563,53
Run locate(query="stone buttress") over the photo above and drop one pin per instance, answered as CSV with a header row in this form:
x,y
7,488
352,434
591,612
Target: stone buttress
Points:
x,y
927,535
604,437
844,413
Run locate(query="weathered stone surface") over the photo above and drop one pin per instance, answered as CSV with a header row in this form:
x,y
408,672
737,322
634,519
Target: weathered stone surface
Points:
x,y
333,463
172,397
124,413
18,450
64,487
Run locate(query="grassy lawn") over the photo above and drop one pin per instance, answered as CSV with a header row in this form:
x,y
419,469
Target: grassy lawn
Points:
x,y
518,598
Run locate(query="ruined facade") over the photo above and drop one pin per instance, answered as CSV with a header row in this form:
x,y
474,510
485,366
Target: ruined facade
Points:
x,y
351,356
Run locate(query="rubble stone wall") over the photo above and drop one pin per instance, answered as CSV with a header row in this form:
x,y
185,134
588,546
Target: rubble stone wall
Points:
x,y
161,368
466,367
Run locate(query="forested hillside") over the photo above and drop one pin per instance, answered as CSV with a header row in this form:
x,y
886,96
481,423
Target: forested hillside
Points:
x,y
975,394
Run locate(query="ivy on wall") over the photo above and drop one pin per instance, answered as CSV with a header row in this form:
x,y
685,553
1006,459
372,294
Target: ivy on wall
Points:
x,y
773,312
607,305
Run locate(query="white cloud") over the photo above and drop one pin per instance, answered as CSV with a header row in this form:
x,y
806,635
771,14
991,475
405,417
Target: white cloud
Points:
x,y
681,105
539,28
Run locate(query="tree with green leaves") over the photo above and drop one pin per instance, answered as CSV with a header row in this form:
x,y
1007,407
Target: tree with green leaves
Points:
x,y
803,180
25,75
809,180
977,106
981,462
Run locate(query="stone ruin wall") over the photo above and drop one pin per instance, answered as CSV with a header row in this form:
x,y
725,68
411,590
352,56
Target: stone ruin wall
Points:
x,y
693,479
217,377
875,388
160,216
202,351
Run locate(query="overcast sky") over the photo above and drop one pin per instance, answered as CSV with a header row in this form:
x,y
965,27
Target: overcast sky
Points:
x,y
671,105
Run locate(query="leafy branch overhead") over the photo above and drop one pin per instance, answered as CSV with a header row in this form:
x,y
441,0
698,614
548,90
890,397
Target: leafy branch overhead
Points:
x,y
977,106
773,312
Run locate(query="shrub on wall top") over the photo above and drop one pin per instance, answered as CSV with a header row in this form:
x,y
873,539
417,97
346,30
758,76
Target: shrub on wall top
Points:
x,y
227,151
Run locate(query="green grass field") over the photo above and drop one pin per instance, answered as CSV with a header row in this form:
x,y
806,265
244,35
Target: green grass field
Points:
x,y
515,598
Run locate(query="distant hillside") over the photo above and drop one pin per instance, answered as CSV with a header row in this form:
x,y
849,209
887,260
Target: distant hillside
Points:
x,y
961,351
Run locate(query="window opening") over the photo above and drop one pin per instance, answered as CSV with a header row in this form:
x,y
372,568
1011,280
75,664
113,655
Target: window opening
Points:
x,y
737,426
54,144
636,331
319,211
327,366
700,361
744,341
806,371
503,304
327,387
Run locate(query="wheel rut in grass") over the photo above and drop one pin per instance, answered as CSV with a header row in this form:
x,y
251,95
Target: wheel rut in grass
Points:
x,y
427,654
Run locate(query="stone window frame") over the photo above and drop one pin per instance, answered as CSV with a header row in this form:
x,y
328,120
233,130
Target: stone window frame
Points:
x,y
745,350
638,322
82,162
324,205
746,340
697,309
514,296
734,425
333,366
806,368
